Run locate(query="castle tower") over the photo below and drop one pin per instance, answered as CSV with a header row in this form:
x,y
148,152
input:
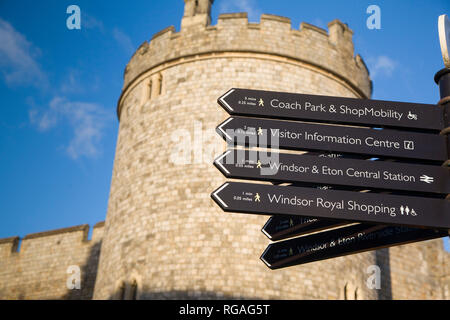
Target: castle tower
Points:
x,y
196,12
164,237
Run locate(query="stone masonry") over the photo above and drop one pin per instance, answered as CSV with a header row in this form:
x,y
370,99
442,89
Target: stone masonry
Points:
x,y
163,236
39,269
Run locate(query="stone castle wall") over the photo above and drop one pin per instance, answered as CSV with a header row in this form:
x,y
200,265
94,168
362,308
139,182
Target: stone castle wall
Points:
x,y
163,233
417,271
162,224
39,268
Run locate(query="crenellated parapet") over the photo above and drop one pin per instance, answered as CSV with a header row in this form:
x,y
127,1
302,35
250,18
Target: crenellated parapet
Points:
x,y
39,265
331,51
71,236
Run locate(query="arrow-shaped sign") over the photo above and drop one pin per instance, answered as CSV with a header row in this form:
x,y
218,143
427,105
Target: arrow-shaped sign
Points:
x,y
296,106
343,241
313,136
333,204
261,165
283,227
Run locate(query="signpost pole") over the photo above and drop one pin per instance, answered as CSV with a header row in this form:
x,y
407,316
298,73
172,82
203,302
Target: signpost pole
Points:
x,y
442,77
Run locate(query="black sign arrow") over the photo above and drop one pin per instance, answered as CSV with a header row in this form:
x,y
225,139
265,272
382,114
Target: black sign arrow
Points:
x,y
313,136
261,165
343,241
335,109
333,204
283,227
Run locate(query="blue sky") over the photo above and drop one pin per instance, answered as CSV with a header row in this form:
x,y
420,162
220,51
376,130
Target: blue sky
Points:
x,y
59,88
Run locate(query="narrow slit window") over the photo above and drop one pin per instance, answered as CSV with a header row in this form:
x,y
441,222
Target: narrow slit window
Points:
x,y
150,90
121,292
134,290
160,83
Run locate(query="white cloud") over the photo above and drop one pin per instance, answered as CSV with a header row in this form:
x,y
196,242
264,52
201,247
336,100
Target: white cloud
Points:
x,y
124,41
70,83
249,6
87,120
17,58
43,121
75,81
381,66
90,22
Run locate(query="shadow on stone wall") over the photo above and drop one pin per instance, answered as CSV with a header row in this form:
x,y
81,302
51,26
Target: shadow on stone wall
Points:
x,y
382,259
88,276
184,295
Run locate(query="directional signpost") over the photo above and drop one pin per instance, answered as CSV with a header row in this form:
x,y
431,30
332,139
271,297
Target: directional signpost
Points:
x,y
256,165
333,204
340,242
294,106
283,227
350,203
312,136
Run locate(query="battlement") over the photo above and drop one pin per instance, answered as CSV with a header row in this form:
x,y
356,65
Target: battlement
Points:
x,y
330,51
39,266
76,235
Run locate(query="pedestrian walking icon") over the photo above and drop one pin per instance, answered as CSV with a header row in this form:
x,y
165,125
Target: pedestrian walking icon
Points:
x,y
261,102
257,197
260,131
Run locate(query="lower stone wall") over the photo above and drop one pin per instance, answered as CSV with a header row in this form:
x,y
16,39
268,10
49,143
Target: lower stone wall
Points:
x,y
38,267
419,271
